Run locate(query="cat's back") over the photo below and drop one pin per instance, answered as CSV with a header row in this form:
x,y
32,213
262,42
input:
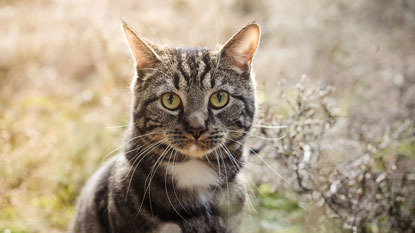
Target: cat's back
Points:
x,y
92,203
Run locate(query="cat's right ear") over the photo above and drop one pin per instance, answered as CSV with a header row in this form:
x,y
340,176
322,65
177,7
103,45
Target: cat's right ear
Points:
x,y
144,55
239,51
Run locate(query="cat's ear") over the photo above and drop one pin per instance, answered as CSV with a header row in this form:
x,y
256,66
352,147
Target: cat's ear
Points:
x,y
240,49
143,54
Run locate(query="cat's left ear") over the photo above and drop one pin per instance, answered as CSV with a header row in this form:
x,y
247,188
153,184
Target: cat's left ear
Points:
x,y
143,54
239,51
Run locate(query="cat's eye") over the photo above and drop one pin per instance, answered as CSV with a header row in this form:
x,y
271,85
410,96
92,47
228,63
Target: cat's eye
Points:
x,y
170,101
219,99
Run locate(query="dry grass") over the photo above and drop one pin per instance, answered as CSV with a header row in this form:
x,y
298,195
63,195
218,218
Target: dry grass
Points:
x,y
65,71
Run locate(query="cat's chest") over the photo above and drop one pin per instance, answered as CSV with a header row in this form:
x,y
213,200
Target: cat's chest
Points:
x,y
196,176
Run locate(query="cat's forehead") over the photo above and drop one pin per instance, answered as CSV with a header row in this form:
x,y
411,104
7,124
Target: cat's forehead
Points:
x,y
193,52
191,57
191,71
189,67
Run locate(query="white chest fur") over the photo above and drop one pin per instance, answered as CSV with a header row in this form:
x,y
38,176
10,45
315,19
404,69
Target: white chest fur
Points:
x,y
193,174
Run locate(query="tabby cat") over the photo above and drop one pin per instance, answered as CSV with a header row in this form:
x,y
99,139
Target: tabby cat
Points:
x,y
179,169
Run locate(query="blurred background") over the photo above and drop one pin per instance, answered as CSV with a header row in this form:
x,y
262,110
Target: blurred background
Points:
x,y
340,75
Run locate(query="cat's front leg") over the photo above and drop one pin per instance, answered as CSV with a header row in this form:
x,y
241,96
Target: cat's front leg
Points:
x,y
230,202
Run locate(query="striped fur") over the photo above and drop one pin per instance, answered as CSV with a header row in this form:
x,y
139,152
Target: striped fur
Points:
x,y
165,180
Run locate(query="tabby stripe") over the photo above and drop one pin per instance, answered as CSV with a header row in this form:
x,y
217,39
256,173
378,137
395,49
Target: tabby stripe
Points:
x,y
240,124
140,74
152,127
193,66
231,72
212,80
180,65
233,142
211,115
101,197
181,113
139,188
150,123
176,80
141,111
145,82
246,108
239,138
206,68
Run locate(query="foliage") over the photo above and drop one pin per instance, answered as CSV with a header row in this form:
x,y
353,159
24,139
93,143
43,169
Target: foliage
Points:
x,y
370,189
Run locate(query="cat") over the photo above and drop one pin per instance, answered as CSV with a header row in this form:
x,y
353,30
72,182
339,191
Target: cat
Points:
x,y
179,169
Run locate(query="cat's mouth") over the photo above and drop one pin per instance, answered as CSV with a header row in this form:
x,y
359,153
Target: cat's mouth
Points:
x,y
197,148
194,150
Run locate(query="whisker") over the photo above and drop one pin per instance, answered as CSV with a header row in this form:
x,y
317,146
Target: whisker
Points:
x,y
236,164
261,125
172,181
248,196
218,162
168,196
269,166
154,168
230,156
227,182
137,148
219,173
270,126
162,156
210,162
149,182
257,136
146,151
117,126
122,145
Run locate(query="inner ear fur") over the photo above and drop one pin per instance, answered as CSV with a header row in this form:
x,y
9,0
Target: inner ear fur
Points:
x,y
142,52
240,49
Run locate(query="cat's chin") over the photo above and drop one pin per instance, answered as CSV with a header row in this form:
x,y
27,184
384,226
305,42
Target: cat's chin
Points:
x,y
193,151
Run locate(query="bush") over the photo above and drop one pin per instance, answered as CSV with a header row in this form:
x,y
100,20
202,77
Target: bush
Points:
x,y
366,185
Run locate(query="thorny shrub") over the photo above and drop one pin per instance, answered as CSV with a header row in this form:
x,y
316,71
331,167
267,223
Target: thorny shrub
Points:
x,y
365,185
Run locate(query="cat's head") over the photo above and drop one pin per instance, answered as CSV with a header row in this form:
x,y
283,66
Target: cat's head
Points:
x,y
194,99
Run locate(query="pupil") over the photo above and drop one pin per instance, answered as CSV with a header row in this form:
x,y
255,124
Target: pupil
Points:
x,y
170,99
220,97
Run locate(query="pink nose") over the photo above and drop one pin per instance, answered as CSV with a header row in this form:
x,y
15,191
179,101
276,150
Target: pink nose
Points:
x,y
196,132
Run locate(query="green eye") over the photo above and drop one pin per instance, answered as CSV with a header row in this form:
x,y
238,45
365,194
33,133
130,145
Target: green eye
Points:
x,y
219,99
170,101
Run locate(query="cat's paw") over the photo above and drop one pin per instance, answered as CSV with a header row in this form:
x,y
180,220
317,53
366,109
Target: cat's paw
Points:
x,y
169,228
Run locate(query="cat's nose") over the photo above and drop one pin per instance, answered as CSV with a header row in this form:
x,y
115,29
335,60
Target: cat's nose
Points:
x,y
196,132
195,123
